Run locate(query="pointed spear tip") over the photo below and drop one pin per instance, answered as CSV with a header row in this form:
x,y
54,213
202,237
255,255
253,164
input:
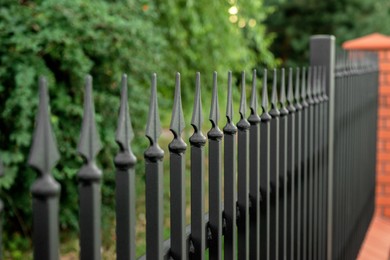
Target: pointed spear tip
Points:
x,y
44,152
124,132
124,77
214,110
274,98
290,95
242,110
153,127
253,104
283,88
197,115
89,144
229,103
177,120
1,169
264,102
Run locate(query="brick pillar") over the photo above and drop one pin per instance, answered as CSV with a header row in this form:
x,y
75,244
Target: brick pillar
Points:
x,y
383,146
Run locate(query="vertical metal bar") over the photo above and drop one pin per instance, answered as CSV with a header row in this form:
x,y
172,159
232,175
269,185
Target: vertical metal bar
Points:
x,y
254,171
89,180
320,199
125,182
154,180
177,150
243,179
291,169
304,162
310,165
230,178
274,171
315,159
45,190
325,168
322,53
265,174
297,243
1,213
197,140
283,123
215,178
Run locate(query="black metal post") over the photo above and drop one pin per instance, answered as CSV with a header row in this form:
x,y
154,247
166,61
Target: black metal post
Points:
x,y
197,140
291,170
243,219
254,172
230,178
283,180
322,53
89,180
1,213
45,190
297,245
125,181
305,166
274,171
215,178
265,174
154,181
177,150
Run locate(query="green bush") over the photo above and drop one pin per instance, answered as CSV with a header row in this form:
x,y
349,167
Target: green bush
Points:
x,y
67,39
296,20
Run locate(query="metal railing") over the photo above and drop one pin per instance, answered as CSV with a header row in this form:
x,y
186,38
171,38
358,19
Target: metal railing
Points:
x,y
298,174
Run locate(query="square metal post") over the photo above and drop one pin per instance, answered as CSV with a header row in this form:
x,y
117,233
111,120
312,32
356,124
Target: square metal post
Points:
x,y
322,53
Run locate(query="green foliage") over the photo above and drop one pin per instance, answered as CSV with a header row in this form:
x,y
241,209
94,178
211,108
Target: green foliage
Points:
x,y
295,21
67,39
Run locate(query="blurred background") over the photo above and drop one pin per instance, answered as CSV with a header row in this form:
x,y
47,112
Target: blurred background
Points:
x,y
67,39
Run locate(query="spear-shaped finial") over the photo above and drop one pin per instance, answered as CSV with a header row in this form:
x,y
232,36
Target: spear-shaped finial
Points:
x,y
124,132
44,153
89,143
319,84
1,169
309,84
214,133
283,110
214,111
274,98
264,101
254,101
314,84
265,116
323,84
229,103
243,96
230,128
297,78
177,121
153,127
283,89
303,88
197,115
290,94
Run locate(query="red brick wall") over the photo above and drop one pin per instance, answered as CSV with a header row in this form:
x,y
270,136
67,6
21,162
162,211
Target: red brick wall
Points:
x,y
383,146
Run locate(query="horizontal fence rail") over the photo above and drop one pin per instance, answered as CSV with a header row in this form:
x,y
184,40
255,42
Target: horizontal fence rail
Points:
x,y
294,179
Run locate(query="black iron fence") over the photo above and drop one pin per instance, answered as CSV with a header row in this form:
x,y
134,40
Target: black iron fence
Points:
x,y
297,174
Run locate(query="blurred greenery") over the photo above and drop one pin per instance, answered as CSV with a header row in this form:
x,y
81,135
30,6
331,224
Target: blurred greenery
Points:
x,y
296,20
67,39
